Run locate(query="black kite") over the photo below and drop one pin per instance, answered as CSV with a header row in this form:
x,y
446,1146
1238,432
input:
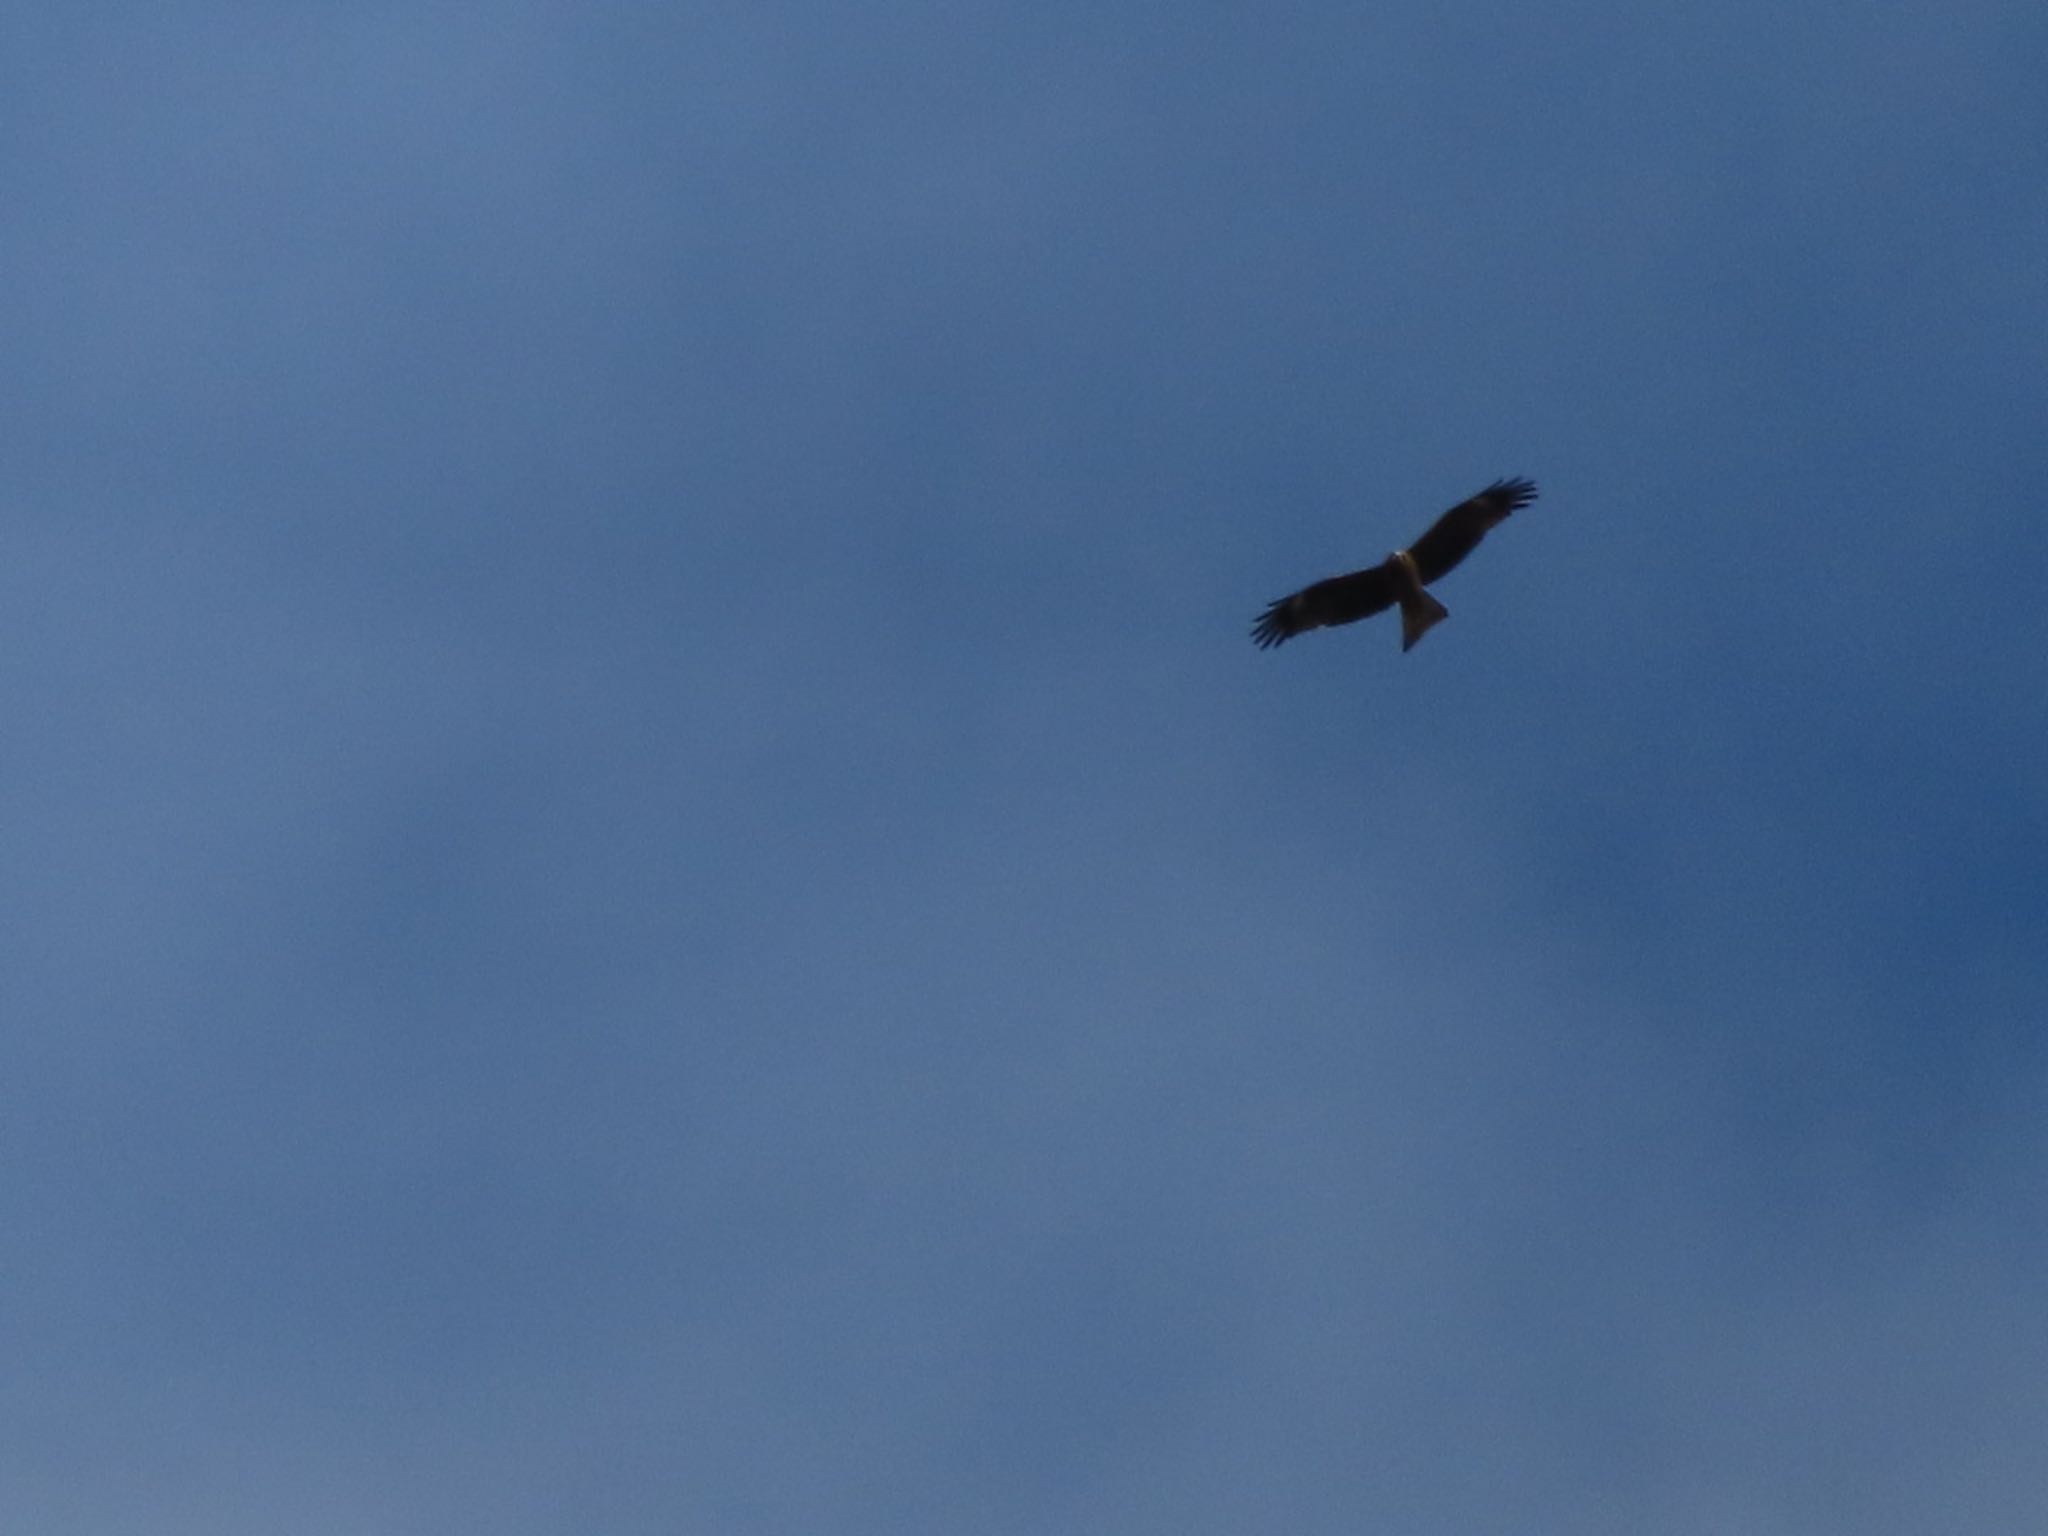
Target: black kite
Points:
x,y
1401,577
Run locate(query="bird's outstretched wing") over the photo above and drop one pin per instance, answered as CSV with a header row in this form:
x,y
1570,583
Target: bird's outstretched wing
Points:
x,y
1339,600
1457,533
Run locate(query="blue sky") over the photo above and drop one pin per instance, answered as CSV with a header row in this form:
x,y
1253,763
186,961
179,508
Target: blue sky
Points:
x,y
650,884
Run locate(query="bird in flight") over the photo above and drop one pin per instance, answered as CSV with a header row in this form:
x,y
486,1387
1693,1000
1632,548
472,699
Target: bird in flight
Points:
x,y
1401,577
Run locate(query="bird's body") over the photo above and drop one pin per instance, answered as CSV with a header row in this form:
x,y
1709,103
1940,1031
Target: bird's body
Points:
x,y
1402,578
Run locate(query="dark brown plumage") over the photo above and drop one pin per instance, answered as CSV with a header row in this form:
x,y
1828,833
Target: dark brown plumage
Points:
x,y
1401,577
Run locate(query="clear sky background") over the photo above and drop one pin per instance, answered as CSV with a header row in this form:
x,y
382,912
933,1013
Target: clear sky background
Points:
x,y
649,884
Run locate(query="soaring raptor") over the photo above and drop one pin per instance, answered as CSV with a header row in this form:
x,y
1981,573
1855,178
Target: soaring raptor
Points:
x,y
1401,577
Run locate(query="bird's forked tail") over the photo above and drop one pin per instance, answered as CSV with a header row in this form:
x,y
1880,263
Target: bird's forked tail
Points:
x,y
1419,614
